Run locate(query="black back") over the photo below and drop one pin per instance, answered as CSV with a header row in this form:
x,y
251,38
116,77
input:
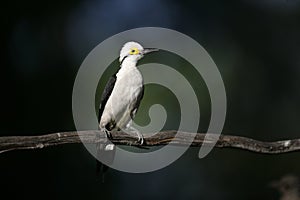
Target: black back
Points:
x,y
106,94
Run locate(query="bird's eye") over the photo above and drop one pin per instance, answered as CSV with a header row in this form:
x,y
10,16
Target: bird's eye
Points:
x,y
134,51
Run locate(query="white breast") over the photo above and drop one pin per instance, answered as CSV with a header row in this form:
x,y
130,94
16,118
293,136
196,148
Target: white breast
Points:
x,y
128,86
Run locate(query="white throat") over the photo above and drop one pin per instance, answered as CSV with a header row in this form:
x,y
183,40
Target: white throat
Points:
x,y
130,61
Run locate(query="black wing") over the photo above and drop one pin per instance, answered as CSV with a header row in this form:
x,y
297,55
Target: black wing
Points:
x,y
100,167
106,94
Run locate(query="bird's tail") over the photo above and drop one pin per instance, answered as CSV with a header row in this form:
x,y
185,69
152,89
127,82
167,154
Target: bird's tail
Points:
x,y
106,152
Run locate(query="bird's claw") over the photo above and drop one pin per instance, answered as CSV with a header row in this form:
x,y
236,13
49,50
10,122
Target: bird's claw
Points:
x,y
109,135
140,140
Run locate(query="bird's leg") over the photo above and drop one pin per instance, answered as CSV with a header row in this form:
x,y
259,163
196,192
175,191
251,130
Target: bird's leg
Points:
x,y
108,146
139,135
108,134
106,131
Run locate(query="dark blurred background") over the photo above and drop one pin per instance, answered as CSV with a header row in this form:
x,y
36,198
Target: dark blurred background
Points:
x,y
255,44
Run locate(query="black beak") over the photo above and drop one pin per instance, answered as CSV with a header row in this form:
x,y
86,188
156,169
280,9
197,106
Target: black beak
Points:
x,y
149,50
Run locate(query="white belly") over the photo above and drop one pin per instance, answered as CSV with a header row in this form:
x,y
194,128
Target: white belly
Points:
x,y
127,88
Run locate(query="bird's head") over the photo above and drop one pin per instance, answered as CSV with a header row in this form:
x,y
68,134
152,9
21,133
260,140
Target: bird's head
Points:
x,y
134,51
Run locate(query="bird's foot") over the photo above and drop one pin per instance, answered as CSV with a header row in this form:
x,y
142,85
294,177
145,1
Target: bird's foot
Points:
x,y
141,141
108,146
108,134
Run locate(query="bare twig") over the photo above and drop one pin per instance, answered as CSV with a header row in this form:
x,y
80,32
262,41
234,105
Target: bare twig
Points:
x,y
161,138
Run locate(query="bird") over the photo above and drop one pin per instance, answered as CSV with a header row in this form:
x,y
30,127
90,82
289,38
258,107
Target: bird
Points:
x,y
120,100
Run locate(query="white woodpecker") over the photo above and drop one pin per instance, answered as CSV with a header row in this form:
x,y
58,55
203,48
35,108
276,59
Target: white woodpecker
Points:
x,y
121,98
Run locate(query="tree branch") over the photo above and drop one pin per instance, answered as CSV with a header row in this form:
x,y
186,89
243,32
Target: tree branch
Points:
x,y
162,138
